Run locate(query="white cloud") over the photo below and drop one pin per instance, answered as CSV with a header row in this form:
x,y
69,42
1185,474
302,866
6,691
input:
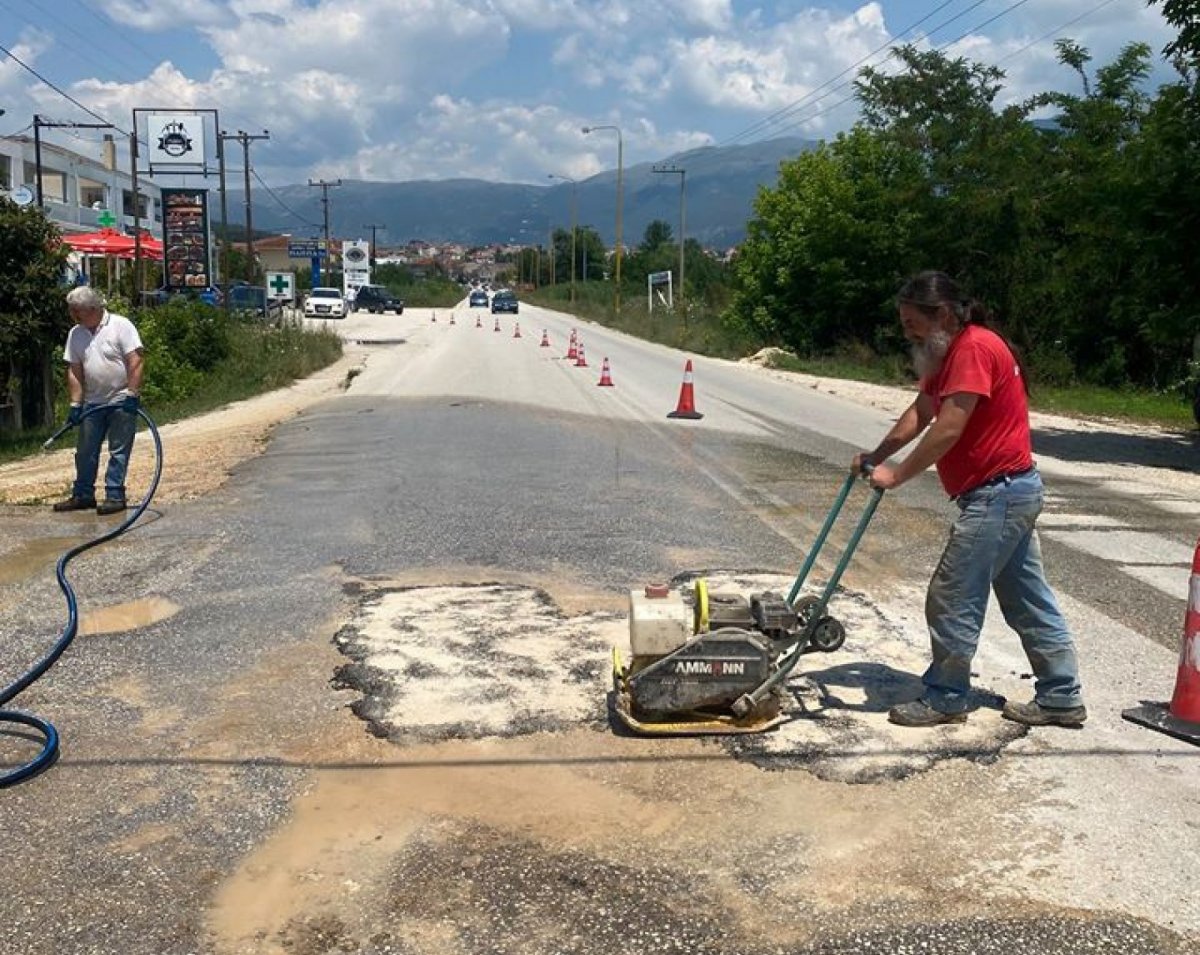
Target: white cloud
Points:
x,y
155,15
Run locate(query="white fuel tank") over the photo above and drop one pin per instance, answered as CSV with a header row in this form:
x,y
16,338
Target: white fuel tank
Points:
x,y
658,625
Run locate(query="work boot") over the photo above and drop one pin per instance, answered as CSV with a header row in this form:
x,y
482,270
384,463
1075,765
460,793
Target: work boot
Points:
x,y
111,507
920,713
75,504
1035,714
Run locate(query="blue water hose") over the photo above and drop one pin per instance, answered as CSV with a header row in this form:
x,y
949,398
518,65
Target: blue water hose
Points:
x,y
46,729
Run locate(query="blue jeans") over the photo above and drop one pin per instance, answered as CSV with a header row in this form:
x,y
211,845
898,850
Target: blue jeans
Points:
x,y
119,427
994,545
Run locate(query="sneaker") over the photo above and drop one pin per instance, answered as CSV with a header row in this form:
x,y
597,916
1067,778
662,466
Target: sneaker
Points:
x,y
920,713
1035,714
75,504
111,507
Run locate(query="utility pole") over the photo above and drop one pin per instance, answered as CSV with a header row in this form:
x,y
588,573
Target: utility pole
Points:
x,y
38,125
246,139
325,185
620,204
373,226
682,173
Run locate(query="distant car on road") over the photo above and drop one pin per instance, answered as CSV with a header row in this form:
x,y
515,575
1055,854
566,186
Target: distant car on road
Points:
x,y
504,301
377,298
325,303
479,299
252,301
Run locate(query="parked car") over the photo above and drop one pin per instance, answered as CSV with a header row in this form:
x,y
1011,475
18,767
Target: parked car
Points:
x,y
377,298
479,299
252,301
325,303
504,300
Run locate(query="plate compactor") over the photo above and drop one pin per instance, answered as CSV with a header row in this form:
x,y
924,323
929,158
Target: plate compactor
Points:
x,y
708,663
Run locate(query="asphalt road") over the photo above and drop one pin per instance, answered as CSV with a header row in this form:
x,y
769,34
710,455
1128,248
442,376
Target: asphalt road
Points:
x,y
264,772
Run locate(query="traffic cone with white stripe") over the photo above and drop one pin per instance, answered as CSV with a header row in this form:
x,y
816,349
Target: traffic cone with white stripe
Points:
x,y
517,330
478,322
545,338
1182,718
580,360
451,318
687,399
435,318
605,376
497,328
573,347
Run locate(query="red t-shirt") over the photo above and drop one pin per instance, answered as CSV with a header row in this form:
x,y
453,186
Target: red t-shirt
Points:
x,y
996,438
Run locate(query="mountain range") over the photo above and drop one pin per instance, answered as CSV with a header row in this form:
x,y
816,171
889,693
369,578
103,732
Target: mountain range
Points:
x,y
719,187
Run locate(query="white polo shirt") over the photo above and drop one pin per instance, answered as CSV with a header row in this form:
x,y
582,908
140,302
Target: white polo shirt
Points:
x,y
102,355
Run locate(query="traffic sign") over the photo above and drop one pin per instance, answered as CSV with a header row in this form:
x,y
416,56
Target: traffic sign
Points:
x,y
306,249
281,285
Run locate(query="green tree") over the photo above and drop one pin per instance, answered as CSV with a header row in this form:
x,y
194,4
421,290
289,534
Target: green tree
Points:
x,y
33,314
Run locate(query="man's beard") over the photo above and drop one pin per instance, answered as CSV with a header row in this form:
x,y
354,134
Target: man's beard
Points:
x,y
927,356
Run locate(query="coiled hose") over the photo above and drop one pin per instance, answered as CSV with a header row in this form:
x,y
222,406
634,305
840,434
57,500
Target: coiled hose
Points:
x,y
48,733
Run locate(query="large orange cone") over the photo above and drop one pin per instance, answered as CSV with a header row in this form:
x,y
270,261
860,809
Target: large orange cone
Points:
x,y
545,338
517,330
497,328
573,347
1182,718
580,360
687,400
605,376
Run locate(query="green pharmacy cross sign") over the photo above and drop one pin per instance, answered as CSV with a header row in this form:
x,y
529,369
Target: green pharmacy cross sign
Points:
x,y
106,219
279,284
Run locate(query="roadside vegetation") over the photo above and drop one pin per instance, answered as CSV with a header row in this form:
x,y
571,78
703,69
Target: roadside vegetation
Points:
x,y
1073,215
200,360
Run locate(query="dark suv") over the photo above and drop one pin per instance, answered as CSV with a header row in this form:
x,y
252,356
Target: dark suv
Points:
x,y
504,301
376,298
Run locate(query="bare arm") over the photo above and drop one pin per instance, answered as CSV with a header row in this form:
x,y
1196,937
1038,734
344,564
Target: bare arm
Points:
x,y
75,382
952,419
134,366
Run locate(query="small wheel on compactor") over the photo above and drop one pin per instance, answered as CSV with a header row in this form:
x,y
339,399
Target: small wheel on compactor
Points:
x,y
828,635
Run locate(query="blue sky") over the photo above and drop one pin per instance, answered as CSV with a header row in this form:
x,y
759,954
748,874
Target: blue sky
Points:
x,y
499,89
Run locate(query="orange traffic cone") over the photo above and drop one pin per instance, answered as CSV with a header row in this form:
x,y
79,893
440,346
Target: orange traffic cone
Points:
x,y
497,328
451,318
1182,718
687,402
580,360
517,330
573,347
478,322
605,376
545,338
435,318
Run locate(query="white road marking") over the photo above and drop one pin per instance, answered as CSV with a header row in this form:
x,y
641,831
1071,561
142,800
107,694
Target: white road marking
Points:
x,y
1078,520
1126,547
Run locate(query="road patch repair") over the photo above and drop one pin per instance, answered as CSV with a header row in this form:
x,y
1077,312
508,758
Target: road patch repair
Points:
x,y
501,660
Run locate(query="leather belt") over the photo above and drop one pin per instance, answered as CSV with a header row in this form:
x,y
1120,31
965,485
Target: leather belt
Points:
x,y
1006,478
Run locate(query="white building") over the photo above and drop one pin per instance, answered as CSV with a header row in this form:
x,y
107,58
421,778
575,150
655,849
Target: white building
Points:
x,y
78,190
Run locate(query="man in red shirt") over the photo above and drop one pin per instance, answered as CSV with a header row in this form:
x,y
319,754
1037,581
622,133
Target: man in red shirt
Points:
x,y
972,416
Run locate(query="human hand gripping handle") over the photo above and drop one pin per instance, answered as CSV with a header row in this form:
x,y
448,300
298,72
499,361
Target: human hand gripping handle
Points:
x,y
129,404
74,416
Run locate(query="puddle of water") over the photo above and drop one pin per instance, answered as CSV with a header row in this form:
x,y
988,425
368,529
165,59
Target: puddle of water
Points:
x,y
127,616
32,557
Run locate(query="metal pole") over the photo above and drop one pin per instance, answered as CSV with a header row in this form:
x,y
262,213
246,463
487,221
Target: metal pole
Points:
x,y
373,226
245,139
226,278
325,186
37,158
137,208
682,173
620,204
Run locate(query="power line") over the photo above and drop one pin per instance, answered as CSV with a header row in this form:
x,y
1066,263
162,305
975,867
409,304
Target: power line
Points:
x,y
292,212
67,96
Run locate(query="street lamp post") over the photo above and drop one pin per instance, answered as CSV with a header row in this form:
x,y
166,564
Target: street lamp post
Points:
x,y
573,209
682,173
620,198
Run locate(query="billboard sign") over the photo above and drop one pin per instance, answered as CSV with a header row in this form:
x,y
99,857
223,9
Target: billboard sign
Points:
x,y
356,265
185,239
175,139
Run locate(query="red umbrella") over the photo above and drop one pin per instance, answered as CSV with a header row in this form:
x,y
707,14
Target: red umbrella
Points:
x,y
112,242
